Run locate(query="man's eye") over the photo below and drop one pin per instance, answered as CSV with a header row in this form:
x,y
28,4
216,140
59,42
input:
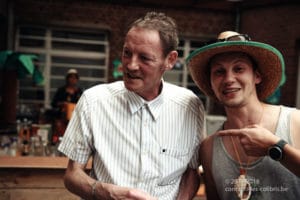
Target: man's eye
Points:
x,y
238,69
126,53
145,58
218,72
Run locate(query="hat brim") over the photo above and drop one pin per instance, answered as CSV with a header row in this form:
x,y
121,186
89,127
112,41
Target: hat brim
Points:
x,y
269,60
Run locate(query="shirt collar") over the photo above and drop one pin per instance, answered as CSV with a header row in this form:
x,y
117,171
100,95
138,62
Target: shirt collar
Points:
x,y
135,102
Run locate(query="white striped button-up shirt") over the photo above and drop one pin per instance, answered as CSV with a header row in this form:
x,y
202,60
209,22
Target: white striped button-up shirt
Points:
x,y
136,143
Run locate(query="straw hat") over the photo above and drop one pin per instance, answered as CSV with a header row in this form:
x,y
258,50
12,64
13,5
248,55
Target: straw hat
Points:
x,y
269,60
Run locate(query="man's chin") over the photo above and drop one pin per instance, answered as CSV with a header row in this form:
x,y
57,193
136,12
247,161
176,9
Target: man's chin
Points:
x,y
132,84
233,103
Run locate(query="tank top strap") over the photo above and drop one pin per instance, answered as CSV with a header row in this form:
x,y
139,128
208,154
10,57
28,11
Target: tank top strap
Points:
x,y
283,126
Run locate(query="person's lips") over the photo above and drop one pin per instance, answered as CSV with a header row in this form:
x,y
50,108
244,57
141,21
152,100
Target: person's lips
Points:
x,y
132,76
230,91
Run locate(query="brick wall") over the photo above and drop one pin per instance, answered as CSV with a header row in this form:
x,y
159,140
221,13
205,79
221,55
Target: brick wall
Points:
x,y
278,26
3,25
115,18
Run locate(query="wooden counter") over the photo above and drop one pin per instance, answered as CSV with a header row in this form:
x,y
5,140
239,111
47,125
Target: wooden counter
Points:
x,y
33,162
34,178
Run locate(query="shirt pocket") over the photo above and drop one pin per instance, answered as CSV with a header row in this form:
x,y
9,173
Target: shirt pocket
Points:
x,y
173,152
173,164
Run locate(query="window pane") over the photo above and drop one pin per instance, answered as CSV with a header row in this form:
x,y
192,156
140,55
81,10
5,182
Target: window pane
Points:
x,y
179,75
32,31
32,43
31,94
83,50
78,46
74,60
79,35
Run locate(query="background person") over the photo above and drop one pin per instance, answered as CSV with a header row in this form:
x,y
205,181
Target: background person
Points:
x,y
143,133
63,104
67,94
258,155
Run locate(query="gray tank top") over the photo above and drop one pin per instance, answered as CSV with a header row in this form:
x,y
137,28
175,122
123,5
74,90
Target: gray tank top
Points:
x,y
268,178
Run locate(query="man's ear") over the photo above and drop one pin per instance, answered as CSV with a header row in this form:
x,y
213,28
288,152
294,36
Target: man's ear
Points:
x,y
171,60
258,78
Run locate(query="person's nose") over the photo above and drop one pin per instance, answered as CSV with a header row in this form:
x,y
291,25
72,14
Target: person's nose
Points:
x,y
133,63
229,77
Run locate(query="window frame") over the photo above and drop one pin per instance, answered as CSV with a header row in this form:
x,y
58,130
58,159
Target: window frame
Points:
x,y
185,48
49,51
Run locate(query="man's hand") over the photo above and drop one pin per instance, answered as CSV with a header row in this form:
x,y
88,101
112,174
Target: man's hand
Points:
x,y
124,193
135,194
254,139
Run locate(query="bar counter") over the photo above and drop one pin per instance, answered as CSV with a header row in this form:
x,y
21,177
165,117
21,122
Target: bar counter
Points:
x,y
34,178
33,162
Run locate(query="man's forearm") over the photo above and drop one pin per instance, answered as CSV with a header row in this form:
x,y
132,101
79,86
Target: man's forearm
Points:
x,y
189,185
291,159
79,183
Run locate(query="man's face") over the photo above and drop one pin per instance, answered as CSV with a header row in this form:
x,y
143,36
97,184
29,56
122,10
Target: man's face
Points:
x,y
144,63
233,79
72,79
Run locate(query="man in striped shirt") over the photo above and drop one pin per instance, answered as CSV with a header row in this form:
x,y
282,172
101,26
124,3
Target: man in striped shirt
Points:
x,y
143,133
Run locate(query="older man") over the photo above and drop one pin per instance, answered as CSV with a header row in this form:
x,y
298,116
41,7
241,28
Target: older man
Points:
x,y
143,133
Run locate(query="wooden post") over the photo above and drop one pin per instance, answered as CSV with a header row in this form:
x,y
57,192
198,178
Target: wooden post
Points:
x,y
9,96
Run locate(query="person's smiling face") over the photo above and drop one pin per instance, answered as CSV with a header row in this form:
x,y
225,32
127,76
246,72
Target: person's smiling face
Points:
x,y
233,79
144,62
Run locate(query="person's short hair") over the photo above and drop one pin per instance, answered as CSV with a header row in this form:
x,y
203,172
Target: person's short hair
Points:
x,y
166,27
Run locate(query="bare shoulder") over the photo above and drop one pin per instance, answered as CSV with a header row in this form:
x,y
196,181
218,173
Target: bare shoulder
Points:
x,y
207,142
271,116
295,119
295,115
272,111
206,149
295,128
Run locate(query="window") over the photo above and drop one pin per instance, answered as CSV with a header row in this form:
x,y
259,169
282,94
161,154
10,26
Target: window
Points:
x,y
59,50
179,75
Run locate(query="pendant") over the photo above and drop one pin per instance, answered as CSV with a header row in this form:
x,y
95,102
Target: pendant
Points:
x,y
242,187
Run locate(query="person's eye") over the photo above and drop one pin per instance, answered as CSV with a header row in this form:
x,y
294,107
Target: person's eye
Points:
x,y
239,69
145,58
126,53
218,72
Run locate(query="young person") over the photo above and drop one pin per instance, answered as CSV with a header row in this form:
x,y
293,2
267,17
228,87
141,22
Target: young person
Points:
x,y
256,154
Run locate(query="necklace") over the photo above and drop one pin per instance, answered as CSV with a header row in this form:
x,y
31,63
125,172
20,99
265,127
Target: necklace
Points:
x,y
242,186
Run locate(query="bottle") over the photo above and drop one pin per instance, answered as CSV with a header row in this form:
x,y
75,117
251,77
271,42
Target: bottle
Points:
x,y
25,148
4,145
13,150
24,136
24,133
19,125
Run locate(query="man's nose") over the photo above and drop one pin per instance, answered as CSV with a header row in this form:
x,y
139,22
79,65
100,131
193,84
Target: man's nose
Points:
x,y
229,77
133,63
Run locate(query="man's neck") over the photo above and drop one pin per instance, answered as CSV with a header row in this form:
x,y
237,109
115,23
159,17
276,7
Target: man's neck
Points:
x,y
240,117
